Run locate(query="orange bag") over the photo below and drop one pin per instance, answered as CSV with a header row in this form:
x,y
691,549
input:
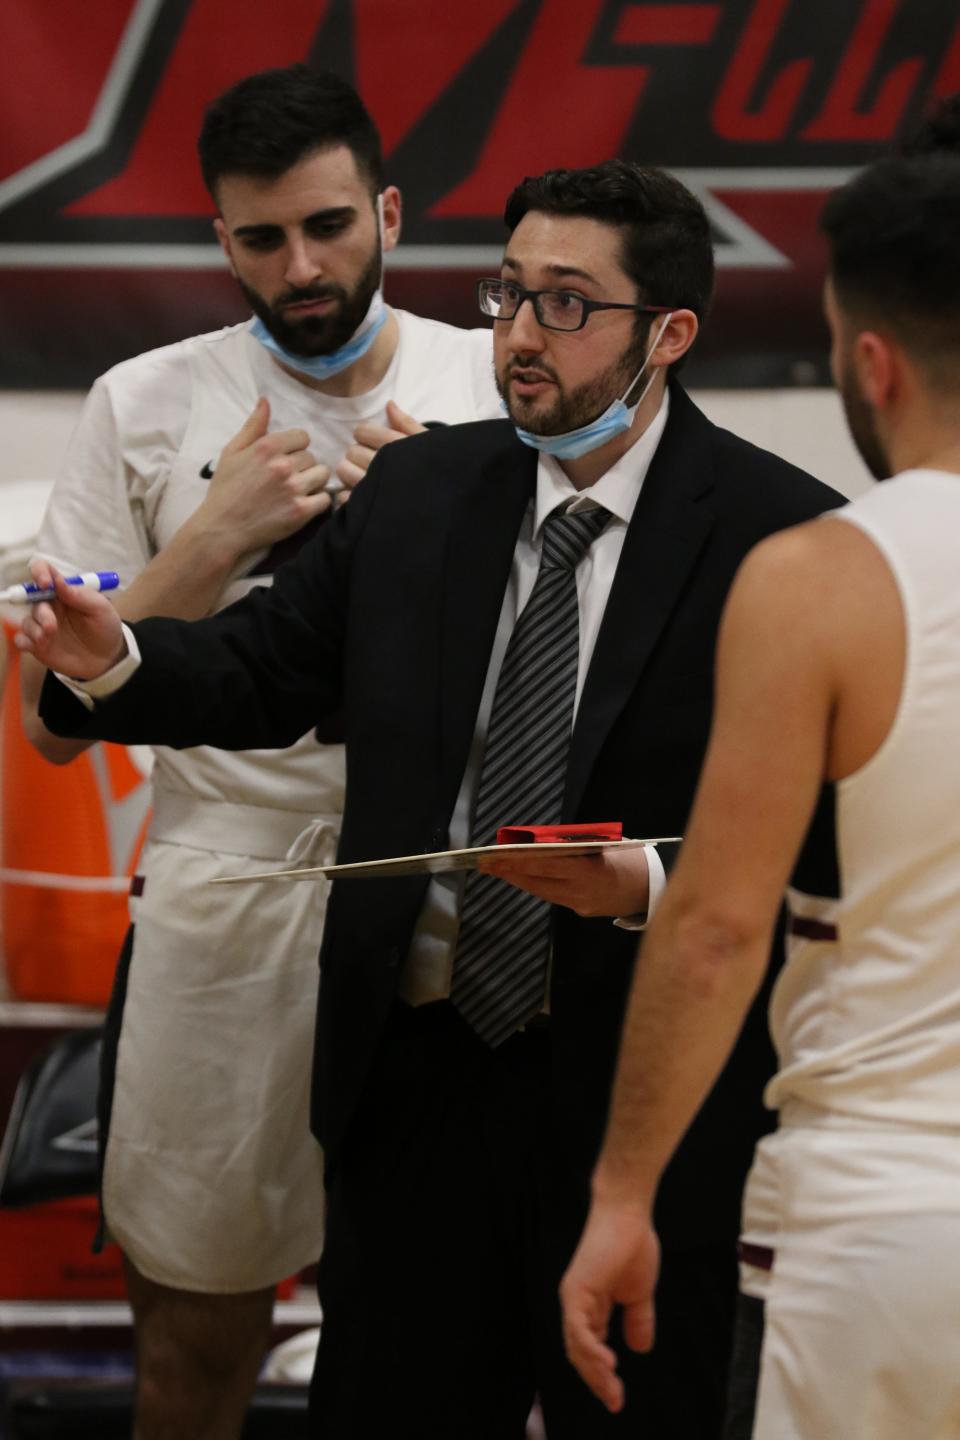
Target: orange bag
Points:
x,y
70,836
45,1254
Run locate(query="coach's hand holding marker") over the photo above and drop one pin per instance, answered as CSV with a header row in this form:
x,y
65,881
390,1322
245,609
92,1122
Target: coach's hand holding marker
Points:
x,y
31,592
77,633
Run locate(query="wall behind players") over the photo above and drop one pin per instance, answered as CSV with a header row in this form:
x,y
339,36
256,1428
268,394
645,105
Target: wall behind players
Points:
x,y
804,426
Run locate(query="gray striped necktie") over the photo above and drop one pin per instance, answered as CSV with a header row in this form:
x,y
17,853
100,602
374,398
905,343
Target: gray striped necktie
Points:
x,y
500,966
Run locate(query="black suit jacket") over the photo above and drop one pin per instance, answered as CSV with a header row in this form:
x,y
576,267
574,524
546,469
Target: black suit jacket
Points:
x,y
391,611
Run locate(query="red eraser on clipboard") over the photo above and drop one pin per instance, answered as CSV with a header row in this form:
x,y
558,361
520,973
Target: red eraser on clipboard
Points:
x,y
552,834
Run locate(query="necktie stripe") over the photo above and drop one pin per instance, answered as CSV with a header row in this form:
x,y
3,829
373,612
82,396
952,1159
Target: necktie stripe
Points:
x,y
524,927
530,736
492,1009
529,719
537,658
520,977
499,971
499,898
541,666
530,644
543,786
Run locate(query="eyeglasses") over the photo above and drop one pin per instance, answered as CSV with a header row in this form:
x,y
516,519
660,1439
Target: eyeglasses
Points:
x,y
554,309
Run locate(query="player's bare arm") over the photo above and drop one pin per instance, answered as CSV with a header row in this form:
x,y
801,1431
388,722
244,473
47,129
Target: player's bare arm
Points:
x,y
706,950
265,487
809,674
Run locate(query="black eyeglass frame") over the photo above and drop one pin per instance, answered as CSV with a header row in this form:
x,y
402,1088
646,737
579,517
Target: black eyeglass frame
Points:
x,y
589,306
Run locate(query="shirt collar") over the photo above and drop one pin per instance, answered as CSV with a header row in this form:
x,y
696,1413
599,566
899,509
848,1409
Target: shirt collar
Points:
x,y
618,490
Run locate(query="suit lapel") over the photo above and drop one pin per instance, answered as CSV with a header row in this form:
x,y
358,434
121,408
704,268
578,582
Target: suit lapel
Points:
x,y
669,527
483,536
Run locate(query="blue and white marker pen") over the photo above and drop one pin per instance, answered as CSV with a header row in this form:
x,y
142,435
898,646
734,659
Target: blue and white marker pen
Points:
x,y
30,593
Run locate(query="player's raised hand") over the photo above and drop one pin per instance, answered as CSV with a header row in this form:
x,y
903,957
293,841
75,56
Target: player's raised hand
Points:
x,y
368,439
78,633
265,486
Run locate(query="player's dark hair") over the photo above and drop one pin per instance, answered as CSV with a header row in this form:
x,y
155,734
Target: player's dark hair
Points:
x,y
938,131
270,121
667,249
894,235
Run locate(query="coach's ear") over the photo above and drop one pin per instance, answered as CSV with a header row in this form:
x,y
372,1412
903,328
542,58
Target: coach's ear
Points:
x,y
678,335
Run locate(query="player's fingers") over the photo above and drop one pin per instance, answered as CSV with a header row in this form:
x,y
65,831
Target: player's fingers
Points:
x,y
253,428
315,478
303,459
596,1366
349,474
374,437
317,504
280,468
594,1360
608,1388
400,420
360,455
639,1325
289,442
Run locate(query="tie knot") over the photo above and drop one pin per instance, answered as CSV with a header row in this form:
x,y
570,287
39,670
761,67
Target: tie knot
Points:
x,y
567,538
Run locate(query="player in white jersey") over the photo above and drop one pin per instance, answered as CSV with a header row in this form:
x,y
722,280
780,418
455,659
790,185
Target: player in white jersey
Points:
x,y
195,470
832,765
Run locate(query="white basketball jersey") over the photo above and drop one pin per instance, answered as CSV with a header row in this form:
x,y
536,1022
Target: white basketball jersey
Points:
x,y
866,1013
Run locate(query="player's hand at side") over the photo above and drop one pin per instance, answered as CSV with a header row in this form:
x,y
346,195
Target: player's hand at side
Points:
x,y
79,633
616,1263
368,439
265,486
612,882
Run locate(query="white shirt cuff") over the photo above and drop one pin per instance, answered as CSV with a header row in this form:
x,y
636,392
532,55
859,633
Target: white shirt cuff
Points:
x,y
105,685
657,885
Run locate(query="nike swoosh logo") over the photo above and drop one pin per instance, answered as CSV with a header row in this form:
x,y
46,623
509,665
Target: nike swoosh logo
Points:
x,y
207,472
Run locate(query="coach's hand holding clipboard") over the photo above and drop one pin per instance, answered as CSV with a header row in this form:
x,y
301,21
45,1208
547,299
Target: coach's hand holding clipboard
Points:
x,y
613,880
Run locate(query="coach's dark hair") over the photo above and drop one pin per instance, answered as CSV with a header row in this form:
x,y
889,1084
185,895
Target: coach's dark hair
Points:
x,y
270,121
894,236
667,248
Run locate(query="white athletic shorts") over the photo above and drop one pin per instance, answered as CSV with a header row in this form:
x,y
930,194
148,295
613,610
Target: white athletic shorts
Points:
x,y
212,1181
851,1241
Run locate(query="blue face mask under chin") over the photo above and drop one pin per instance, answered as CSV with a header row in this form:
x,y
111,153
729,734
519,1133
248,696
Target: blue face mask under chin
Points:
x,y
615,420
322,367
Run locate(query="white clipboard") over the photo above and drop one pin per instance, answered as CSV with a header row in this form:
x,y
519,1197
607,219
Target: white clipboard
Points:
x,y
437,862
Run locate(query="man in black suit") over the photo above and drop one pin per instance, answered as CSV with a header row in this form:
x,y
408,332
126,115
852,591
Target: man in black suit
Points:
x,y
461,1084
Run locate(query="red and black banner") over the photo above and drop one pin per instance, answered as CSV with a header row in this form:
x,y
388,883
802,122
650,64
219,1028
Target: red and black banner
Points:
x,y
761,106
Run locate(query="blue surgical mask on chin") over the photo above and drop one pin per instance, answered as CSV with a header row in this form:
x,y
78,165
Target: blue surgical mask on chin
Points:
x,y
614,421
322,367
